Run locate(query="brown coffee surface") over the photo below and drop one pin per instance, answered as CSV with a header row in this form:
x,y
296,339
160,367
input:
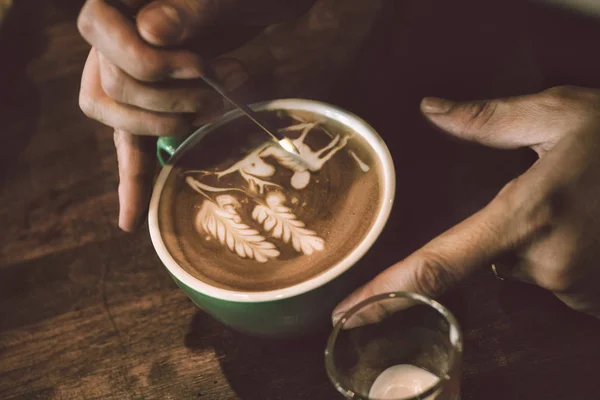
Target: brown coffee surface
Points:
x,y
239,213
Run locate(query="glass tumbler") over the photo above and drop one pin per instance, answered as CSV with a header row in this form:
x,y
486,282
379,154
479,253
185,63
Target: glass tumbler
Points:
x,y
396,346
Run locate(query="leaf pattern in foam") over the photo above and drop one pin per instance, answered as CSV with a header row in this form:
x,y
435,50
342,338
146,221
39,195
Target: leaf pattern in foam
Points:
x,y
276,217
222,222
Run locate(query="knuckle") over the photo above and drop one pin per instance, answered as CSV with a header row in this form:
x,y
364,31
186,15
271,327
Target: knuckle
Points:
x,y
179,104
575,100
478,115
544,212
85,24
565,91
151,67
87,104
432,275
556,276
560,98
560,263
535,213
546,209
111,80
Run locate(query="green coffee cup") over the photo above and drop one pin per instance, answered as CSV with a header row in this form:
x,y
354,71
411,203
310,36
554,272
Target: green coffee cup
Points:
x,y
303,307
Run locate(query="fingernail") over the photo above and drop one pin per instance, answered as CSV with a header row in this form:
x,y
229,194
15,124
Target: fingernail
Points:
x,y
129,223
435,105
161,24
126,223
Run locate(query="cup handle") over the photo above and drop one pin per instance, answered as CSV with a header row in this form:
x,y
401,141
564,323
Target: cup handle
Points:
x,y
166,147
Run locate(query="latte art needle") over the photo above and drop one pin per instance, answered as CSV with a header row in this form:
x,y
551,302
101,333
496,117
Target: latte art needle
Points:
x,y
283,141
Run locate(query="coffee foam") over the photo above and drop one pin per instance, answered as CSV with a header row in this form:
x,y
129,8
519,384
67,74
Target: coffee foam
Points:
x,y
288,223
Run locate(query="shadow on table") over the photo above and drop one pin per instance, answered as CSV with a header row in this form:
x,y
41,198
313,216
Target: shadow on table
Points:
x,y
266,369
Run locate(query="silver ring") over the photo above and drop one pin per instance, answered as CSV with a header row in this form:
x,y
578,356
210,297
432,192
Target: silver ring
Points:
x,y
497,273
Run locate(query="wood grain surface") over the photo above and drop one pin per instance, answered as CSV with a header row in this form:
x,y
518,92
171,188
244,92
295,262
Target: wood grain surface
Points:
x,y
88,312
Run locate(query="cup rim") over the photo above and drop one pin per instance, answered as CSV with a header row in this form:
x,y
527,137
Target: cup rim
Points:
x,y
455,338
354,122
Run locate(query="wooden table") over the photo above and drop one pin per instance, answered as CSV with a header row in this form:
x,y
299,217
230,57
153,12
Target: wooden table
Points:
x,y
88,312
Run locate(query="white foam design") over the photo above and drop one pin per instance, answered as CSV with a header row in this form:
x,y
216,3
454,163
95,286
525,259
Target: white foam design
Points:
x,y
219,219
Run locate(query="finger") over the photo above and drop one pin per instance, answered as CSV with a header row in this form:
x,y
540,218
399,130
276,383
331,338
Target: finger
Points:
x,y
189,96
174,97
170,22
136,159
127,7
586,302
441,264
113,35
536,121
254,57
527,271
131,4
97,105
233,75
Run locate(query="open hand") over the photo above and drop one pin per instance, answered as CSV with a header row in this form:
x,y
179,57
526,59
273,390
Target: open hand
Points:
x,y
546,221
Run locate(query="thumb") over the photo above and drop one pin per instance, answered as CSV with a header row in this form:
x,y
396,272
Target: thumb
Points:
x,y
256,56
242,67
232,75
439,265
171,22
237,71
524,121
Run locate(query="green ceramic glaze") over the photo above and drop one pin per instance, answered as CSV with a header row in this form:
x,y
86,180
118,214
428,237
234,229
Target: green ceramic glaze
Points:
x,y
298,310
166,147
291,317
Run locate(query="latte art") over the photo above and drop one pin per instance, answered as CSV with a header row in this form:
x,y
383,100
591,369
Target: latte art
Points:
x,y
240,212
219,219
